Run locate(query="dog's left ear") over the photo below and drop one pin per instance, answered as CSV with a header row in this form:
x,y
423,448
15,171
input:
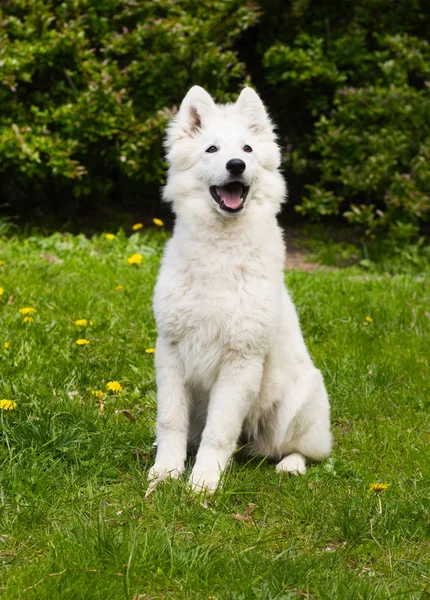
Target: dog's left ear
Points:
x,y
249,105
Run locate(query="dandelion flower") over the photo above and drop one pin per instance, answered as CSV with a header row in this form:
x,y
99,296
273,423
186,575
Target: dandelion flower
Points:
x,y
378,487
137,226
368,320
82,342
114,386
1,291
110,236
28,320
7,404
158,222
119,288
98,393
28,310
150,350
135,259
81,323
2,262
6,345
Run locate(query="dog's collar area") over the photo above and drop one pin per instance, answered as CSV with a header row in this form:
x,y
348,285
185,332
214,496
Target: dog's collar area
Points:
x,y
230,197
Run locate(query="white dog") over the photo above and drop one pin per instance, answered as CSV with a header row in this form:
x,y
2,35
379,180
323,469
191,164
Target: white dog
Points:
x,y
232,366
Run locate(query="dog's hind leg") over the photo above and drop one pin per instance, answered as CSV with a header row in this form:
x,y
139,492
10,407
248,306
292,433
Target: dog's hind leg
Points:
x,y
294,463
307,436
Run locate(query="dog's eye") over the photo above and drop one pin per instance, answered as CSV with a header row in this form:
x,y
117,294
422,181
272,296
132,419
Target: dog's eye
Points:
x,y
247,148
212,149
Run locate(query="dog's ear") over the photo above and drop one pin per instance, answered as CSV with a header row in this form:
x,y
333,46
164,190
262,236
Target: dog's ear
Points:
x,y
250,106
195,108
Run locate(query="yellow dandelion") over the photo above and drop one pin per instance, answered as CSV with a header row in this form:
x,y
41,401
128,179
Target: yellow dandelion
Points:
x,y
6,345
137,226
378,487
114,386
368,320
1,291
81,323
98,393
119,288
28,320
27,310
135,259
158,222
150,350
82,342
7,404
110,236
2,262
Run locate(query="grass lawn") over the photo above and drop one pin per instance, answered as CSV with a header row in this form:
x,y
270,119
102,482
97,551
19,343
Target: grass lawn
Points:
x,y
73,519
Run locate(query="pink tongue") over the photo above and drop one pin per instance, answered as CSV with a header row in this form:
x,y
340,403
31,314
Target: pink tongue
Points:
x,y
231,198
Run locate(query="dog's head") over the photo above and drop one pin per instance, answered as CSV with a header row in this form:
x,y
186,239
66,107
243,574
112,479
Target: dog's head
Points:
x,y
222,157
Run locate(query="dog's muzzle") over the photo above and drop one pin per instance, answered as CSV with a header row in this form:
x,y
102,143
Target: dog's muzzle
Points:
x,y
230,197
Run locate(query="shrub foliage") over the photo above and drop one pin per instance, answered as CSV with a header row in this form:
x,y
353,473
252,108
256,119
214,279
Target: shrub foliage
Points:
x,y
86,88
360,73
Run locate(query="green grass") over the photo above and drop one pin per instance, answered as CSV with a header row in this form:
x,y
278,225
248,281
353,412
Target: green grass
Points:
x,y
332,245
73,519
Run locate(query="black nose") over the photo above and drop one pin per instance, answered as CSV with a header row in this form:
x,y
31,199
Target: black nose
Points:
x,y
236,166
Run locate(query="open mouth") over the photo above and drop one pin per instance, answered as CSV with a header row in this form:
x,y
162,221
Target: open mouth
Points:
x,y
231,197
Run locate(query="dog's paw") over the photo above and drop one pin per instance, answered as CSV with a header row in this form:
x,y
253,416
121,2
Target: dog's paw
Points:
x,y
293,463
159,473
202,481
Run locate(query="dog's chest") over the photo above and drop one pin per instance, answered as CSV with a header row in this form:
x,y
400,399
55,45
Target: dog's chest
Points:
x,y
210,313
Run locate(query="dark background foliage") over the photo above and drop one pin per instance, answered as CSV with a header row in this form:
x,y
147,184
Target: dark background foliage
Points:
x,y
86,89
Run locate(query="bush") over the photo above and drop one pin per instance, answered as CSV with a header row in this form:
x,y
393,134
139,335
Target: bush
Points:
x,y
86,88
360,73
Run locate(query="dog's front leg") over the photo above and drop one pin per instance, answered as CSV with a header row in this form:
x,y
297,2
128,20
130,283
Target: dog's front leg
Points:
x,y
172,413
231,398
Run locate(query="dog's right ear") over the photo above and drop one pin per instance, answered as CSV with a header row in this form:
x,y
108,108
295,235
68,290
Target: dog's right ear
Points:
x,y
196,107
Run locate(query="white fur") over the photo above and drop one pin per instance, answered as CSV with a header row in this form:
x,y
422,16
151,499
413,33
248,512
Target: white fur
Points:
x,y
232,366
